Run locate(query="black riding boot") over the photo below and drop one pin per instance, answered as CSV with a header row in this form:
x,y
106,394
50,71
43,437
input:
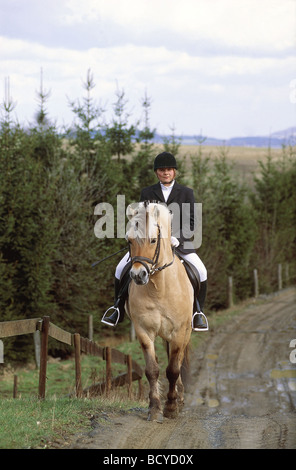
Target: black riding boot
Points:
x,y
115,314
202,294
199,320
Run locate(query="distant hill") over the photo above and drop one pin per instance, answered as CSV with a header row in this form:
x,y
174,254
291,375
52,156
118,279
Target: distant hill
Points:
x,y
276,139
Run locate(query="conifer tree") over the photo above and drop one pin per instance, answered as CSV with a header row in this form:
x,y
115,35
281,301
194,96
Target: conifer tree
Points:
x,y
142,163
120,134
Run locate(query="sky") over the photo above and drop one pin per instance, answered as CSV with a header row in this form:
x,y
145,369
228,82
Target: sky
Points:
x,y
220,68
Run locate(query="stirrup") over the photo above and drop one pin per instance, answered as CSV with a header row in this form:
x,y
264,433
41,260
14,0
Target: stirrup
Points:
x,y
206,320
105,320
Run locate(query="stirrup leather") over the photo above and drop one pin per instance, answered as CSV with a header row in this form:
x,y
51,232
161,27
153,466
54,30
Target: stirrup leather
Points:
x,y
105,320
206,320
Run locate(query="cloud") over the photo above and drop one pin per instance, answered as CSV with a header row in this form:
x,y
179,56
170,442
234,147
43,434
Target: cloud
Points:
x,y
198,26
204,62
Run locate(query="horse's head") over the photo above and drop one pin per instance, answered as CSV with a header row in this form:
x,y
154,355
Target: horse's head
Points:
x,y
149,229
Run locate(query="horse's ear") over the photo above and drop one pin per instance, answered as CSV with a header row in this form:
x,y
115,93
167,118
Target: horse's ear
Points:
x,y
132,210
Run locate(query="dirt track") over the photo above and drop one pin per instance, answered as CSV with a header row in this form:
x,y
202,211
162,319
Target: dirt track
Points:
x,y
242,393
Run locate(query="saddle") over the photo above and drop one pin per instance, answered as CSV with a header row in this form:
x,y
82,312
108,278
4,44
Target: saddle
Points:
x,y
191,272
125,280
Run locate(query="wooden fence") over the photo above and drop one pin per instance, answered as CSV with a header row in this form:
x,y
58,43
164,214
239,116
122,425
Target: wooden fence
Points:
x,y
81,345
256,282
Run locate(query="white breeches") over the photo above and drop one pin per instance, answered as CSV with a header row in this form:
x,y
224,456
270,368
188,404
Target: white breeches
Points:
x,y
191,257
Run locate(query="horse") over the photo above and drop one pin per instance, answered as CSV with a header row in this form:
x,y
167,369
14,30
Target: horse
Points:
x,y
159,302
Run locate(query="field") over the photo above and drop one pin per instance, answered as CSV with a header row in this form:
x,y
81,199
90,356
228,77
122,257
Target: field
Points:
x,y
245,160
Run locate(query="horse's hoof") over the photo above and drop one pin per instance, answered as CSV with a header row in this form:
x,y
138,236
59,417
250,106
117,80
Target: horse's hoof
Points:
x,y
171,413
181,404
155,416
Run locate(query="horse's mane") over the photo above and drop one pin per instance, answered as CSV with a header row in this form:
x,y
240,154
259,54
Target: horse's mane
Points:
x,y
138,218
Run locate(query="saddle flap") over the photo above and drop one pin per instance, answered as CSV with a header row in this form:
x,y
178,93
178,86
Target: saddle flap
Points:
x,y
192,274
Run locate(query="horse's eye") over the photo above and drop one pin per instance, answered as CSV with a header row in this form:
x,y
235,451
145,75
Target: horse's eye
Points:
x,y
153,241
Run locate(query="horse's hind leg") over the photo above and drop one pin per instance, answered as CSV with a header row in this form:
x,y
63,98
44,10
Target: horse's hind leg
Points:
x,y
171,409
152,373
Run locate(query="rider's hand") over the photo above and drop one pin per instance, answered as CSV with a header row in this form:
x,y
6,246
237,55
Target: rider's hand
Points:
x,y
174,241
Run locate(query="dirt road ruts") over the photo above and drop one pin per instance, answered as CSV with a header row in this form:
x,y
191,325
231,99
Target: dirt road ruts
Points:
x,y
242,393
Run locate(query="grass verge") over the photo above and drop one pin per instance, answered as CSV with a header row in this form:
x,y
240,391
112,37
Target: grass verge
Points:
x,y
30,423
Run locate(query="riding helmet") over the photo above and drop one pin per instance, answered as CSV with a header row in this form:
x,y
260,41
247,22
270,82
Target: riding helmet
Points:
x,y
165,160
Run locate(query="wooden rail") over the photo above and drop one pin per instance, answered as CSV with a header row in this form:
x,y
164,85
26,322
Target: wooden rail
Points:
x,y
81,345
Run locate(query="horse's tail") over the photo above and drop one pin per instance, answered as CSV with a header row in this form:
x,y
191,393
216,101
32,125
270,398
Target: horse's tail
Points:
x,y
185,368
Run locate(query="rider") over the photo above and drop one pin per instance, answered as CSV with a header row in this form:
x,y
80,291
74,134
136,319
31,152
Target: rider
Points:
x,y
169,191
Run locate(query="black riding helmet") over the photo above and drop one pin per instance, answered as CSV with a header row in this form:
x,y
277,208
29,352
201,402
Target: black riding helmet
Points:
x,y
165,160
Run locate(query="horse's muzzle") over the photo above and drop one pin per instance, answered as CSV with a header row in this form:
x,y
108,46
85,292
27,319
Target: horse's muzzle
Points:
x,y
139,275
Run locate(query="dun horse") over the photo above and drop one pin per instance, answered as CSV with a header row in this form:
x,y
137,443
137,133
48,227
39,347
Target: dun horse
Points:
x,y
160,301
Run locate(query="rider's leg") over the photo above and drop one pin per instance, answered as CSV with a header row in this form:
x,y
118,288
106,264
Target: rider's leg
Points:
x,y
202,293
115,314
199,320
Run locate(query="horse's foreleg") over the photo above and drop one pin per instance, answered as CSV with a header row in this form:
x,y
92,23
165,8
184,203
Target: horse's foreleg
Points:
x,y
152,374
171,409
180,388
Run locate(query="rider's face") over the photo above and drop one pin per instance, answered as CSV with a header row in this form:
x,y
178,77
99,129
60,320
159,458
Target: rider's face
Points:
x,y
165,175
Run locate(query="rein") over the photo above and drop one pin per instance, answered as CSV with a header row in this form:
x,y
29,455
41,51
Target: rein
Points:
x,y
107,257
143,260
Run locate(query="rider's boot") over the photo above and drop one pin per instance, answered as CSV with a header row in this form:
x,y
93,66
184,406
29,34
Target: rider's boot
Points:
x,y
199,320
115,314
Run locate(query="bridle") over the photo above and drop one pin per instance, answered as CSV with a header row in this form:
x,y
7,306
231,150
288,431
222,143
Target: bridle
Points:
x,y
143,260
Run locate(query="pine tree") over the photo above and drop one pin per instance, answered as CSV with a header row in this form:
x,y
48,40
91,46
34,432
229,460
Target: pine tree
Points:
x,y
120,135
142,163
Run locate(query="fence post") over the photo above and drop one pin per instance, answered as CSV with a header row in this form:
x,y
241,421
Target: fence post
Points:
x,y
108,370
140,389
90,328
43,357
77,365
256,286
132,332
280,280
230,292
129,374
15,386
287,277
36,336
